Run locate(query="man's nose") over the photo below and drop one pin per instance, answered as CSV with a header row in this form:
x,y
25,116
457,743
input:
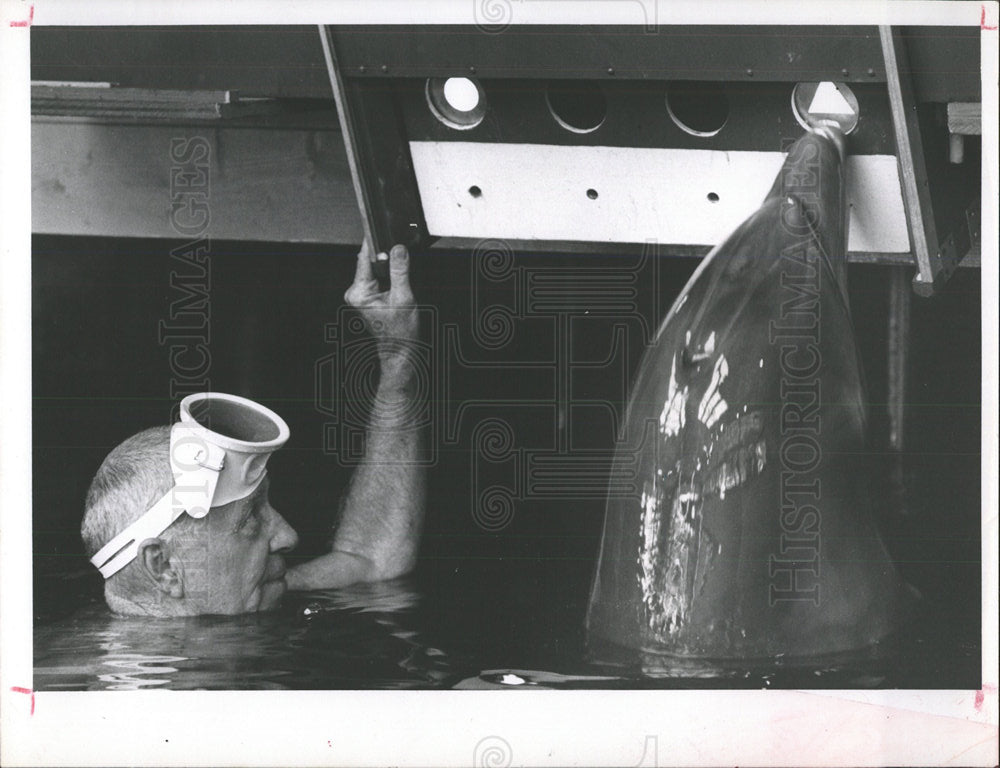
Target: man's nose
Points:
x,y
283,536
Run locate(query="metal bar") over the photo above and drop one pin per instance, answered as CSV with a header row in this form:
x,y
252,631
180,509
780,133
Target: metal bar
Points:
x,y
732,53
285,61
348,129
912,169
898,343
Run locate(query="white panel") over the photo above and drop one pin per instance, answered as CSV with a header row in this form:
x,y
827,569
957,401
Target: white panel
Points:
x,y
878,220
539,192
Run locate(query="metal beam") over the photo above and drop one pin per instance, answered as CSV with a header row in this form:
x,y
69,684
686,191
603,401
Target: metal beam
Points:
x,y
348,128
898,349
933,266
378,155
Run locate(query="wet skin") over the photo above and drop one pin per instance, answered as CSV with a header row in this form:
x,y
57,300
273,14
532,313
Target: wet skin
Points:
x,y
244,570
750,531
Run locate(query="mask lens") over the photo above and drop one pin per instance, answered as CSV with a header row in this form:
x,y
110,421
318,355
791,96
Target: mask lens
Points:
x,y
234,420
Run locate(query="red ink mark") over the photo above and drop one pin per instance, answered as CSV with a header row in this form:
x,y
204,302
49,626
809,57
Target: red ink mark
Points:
x,y
981,695
982,20
31,17
18,689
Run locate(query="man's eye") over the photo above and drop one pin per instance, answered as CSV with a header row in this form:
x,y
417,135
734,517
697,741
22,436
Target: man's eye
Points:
x,y
251,523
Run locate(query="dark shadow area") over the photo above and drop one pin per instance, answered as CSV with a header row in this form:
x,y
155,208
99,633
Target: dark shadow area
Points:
x,y
512,579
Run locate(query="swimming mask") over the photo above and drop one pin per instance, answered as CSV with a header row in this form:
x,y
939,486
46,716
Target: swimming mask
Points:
x,y
218,454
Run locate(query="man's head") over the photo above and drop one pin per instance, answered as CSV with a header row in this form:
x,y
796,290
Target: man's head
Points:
x,y
226,562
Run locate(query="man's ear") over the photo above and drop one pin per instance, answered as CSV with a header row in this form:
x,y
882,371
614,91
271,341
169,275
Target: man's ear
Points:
x,y
157,563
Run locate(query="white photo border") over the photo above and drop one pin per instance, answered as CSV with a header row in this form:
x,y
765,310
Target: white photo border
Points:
x,y
456,727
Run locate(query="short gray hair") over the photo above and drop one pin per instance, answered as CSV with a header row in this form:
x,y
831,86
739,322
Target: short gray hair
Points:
x,y
130,480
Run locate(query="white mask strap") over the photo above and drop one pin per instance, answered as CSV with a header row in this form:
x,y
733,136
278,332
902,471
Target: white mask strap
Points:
x,y
196,465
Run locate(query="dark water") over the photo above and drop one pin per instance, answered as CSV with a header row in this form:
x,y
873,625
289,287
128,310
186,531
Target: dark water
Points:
x,y
482,603
494,625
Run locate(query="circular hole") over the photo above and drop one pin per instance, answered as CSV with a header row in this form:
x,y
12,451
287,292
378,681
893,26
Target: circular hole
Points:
x,y
458,102
475,191
826,103
577,105
712,197
461,94
592,194
698,108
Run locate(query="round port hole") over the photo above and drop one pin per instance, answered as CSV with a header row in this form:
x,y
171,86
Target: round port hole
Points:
x,y
712,197
577,105
592,194
698,108
475,191
458,102
826,103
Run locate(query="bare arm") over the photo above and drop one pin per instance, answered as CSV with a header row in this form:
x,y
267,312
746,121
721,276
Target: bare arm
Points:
x,y
382,514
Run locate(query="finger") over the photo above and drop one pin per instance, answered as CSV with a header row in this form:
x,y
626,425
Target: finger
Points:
x,y
399,273
366,247
363,271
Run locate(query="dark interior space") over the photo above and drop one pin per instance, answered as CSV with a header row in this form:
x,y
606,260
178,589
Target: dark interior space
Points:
x,y
100,374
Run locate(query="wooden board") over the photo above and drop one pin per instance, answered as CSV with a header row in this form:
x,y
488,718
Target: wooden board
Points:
x,y
282,185
965,118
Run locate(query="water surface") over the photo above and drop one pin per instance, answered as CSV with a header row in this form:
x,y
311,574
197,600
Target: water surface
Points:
x,y
491,625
